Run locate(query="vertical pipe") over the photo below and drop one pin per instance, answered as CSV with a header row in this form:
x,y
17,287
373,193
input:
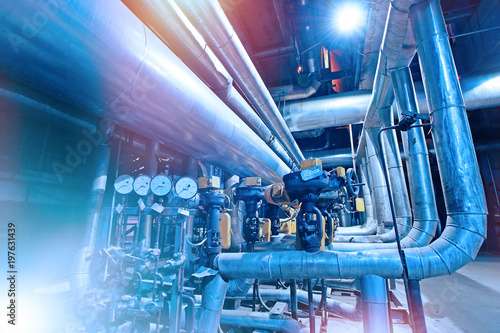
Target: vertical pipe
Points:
x,y
151,167
80,276
310,301
293,299
214,293
419,170
176,301
417,307
374,299
353,153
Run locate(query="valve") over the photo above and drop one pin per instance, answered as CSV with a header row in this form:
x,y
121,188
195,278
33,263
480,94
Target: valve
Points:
x,y
251,194
272,214
213,201
305,186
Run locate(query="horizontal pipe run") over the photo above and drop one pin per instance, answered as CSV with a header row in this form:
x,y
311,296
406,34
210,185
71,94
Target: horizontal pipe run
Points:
x,y
121,71
209,19
259,320
164,19
480,91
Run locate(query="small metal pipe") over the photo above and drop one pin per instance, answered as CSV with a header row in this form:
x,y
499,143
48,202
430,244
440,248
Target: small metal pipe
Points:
x,y
312,316
293,299
417,307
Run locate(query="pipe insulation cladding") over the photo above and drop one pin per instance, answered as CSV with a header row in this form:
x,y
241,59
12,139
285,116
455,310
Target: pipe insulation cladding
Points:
x,y
462,187
98,57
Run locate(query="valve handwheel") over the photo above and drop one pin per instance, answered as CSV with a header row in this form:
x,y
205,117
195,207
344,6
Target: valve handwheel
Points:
x,y
352,181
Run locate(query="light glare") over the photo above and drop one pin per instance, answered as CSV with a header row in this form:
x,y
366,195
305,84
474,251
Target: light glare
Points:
x,y
349,17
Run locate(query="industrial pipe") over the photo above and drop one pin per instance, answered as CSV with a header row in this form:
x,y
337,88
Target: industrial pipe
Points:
x,y
480,91
259,320
163,17
214,293
209,19
80,278
119,69
463,190
375,305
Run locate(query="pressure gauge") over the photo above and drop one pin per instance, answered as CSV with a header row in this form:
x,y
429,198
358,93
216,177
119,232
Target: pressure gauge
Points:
x,y
141,185
124,184
161,185
186,187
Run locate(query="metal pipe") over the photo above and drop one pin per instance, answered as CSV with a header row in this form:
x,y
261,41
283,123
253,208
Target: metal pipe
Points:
x,y
293,299
121,71
291,92
464,195
312,316
190,313
332,158
164,19
415,298
178,281
370,225
214,293
374,300
259,320
209,19
80,276
479,90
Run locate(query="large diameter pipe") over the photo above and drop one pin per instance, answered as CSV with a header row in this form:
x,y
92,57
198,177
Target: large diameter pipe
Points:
x,y
479,90
261,321
464,194
375,305
212,302
80,276
209,19
164,19
117,68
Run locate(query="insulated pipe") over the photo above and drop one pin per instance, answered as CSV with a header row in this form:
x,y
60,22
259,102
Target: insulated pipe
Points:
x,y
479,90
375,304
209,19
117,68
291,92
212,302
352,312
462,187
261,321
163,17
332,158
424,205
379,187
397,50
80,277
397,188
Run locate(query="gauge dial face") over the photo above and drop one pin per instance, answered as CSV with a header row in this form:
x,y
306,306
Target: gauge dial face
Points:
x,y
124,184
141,185
186,187
161,185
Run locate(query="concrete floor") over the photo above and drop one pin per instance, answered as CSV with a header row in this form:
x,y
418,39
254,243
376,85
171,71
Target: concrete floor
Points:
x,y
466,301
